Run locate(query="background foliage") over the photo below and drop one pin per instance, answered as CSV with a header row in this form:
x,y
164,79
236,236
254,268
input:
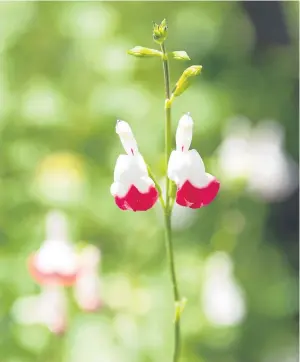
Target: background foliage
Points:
x,y
65,78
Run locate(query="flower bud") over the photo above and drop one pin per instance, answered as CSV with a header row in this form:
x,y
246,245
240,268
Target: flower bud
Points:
x,y
180,55
160,32
185,79
141,52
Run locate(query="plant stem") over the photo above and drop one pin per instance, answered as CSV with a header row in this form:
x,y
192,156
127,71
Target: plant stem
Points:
x,y
168,131
170,254
168,205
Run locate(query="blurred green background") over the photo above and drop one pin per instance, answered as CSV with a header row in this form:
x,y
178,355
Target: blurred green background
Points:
x,y
65,78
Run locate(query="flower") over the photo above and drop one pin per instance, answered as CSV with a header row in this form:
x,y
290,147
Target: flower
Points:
x,y
49,308
223,299
132,189
195,187
256,155
56,261
234,155
87,287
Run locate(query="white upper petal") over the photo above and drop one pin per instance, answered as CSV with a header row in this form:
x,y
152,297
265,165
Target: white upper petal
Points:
x,y
57,256
130,170
127,138
189,166
56,226
184,133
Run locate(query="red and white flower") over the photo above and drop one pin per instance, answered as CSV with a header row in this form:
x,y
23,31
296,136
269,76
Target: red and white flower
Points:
x,y
195,187
132,189
56,262
87,288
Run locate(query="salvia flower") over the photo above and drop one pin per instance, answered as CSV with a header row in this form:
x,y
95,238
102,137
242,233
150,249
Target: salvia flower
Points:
x,y
132,189
87,288
195,187
56,261
49,308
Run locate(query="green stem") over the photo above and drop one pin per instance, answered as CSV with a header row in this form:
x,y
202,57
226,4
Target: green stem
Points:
x,y
169,204
170,254
168,131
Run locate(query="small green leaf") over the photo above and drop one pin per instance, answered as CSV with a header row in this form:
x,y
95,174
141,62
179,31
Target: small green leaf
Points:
x,y
185,79
141,52
180,55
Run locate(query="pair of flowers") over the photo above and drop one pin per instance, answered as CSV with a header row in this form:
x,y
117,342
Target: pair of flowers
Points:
x,y
57,264
134,190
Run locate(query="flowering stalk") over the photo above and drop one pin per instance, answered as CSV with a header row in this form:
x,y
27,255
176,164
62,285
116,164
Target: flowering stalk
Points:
x,y
168,204
135,187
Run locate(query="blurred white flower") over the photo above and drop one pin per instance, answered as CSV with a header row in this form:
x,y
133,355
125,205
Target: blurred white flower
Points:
x,y
222,298
48,308
87,289
256,155
56,262
273,174
234,152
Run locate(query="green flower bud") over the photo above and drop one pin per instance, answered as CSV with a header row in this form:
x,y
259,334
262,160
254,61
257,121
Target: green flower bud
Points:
x,y
160,32
180,55
144,52
185,79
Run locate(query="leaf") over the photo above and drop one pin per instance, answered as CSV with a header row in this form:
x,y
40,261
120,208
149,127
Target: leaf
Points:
x,y
180,55
143,52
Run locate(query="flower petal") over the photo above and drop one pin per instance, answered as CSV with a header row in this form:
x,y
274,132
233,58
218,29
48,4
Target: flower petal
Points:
x,y
184,133
135,200
185,166
128,171
127,138
133,189
191,196
49,278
